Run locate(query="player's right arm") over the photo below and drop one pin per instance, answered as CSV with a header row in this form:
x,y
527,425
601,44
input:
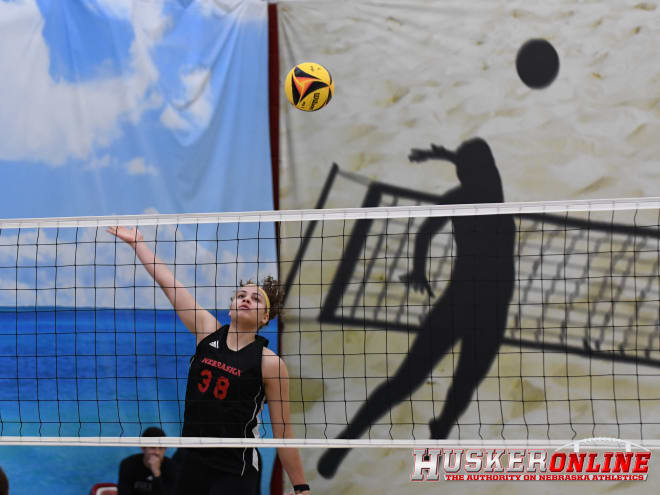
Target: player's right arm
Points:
x,y
196,319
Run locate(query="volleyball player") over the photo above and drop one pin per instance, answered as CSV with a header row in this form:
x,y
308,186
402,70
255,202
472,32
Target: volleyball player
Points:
x,y
230,376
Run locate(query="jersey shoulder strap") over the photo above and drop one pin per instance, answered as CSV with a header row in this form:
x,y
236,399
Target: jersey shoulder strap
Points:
x,y
263,341
214,339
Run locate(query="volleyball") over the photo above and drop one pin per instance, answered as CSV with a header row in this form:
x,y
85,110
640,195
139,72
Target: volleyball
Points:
x,y
309,86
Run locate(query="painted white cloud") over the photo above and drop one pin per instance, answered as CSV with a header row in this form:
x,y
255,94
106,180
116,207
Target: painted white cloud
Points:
x,y
147,14
137,166
195,107
245,10
197,101
172,119
53,121
96,163
218,7
115,8
105,273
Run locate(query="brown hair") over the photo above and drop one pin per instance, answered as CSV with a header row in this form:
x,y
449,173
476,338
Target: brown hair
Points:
x,y
274,292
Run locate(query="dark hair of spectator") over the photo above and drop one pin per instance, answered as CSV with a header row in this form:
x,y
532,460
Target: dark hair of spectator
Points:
x,y
152,431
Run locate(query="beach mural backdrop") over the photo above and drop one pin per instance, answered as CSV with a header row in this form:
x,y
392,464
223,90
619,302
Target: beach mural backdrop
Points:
x,y
119,107
432,106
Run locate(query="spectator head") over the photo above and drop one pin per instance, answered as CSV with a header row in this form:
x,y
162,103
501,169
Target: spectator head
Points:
x,y
152,431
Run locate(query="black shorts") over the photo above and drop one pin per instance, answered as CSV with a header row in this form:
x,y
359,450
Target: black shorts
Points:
x,y
198,479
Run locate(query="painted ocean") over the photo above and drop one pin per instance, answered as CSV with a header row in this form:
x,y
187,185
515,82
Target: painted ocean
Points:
x,y
91,372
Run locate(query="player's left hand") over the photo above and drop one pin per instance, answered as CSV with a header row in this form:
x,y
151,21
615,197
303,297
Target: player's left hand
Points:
x,y
129,236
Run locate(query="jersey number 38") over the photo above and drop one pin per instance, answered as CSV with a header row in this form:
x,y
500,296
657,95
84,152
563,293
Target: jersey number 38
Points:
x,y
221,385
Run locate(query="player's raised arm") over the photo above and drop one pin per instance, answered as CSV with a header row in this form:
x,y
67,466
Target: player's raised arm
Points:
x,y
276,382
196,319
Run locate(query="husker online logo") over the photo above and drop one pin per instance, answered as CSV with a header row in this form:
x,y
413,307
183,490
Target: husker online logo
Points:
x,y
528,465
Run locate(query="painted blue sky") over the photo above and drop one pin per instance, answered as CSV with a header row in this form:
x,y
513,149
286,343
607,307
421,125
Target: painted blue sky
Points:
x,y
123,107
126,107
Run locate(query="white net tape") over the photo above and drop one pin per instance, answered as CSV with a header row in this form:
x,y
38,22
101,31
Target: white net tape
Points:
x,y
561,305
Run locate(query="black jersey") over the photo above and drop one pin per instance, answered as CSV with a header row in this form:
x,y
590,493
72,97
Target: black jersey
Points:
x,y
224,397
137,479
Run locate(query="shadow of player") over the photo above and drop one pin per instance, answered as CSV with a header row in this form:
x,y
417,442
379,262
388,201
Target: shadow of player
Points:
x,y
473,307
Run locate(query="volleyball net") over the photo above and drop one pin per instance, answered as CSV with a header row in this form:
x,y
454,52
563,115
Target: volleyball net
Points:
x,y
561,300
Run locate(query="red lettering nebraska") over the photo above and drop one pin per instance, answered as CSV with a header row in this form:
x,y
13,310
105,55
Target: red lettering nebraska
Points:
x,y
221,366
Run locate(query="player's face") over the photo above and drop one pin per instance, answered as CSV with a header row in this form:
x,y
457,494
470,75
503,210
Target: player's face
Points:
x,y
249,306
